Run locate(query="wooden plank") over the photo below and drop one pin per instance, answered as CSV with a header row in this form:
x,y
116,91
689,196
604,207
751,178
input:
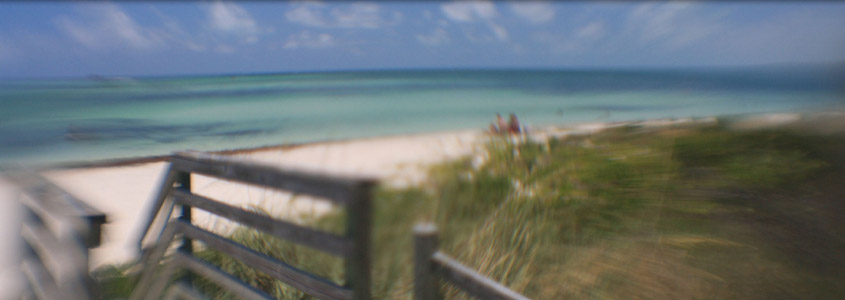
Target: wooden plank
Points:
x,y
158,202
471,282
154,290
151,261
27,180
426,285
219,277
183,183
51,202
304,281
65,281
359,218
64,261
316,239
39,278
183,291
39,214
331,187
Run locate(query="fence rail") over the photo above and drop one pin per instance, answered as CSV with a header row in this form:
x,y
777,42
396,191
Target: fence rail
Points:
x,y
57,230
431,265
351,193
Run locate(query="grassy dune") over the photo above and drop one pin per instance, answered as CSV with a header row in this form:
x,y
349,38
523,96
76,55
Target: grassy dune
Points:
x,y
631,213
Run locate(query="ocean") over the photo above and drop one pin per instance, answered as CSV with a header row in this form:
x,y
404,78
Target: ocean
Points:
x,y
105,118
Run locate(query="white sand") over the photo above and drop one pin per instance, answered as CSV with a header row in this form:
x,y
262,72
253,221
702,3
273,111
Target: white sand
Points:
x,y
125,193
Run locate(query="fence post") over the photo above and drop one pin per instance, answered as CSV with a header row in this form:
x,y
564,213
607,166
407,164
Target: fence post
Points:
x,y
183,180
426,285
359,216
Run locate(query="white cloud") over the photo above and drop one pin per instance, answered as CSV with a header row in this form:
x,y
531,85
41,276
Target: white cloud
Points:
x,y
478,18
672,25
580,40
535,12
499,32
593,30
109,26
176,35
359,15
436,38
229,18
469,11
306,39
356,15
308,14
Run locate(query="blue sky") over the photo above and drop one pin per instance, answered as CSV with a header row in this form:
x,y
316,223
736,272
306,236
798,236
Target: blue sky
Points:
x,y
137,38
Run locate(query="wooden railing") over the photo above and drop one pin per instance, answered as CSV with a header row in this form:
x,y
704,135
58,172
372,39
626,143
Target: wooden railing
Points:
x,y
57,230
431,265
159,231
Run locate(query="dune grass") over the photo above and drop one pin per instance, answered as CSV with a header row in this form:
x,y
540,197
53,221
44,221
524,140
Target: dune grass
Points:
x,y
630,213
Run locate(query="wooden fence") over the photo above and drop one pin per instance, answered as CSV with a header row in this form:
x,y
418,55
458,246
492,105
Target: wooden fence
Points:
x,y
57,231
431,265
55,220
351,193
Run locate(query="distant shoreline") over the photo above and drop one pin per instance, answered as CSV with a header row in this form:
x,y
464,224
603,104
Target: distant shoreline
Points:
x,y
742,120
130,161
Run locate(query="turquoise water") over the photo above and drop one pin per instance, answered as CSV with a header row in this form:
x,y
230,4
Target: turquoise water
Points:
x,y
47,121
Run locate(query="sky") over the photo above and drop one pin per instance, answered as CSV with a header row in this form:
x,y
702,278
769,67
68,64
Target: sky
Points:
x,y
47,39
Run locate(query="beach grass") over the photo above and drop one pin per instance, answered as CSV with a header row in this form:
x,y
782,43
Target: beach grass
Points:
x,y
686,212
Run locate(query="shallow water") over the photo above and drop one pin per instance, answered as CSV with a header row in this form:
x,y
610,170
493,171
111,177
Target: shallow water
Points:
x,y
47,121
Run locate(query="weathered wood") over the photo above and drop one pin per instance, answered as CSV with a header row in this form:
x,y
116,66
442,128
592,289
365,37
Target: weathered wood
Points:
x,y
183,291
167,212
64,261
359,218
158,201
331,187
354,193
67,272
183,183
71,205
154,290
51,202
426,285
306,282
152,260
316,239
57,231
469,281
219,277
43,285
39,214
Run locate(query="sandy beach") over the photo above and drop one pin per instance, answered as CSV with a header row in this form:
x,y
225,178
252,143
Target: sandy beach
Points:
x,y
125,192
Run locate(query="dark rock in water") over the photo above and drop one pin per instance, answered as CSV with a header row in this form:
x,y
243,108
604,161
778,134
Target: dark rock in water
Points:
x,y
134,129
622,108
78,134
243,132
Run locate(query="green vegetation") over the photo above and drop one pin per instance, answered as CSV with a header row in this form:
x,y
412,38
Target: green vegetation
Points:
x,y
631,213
